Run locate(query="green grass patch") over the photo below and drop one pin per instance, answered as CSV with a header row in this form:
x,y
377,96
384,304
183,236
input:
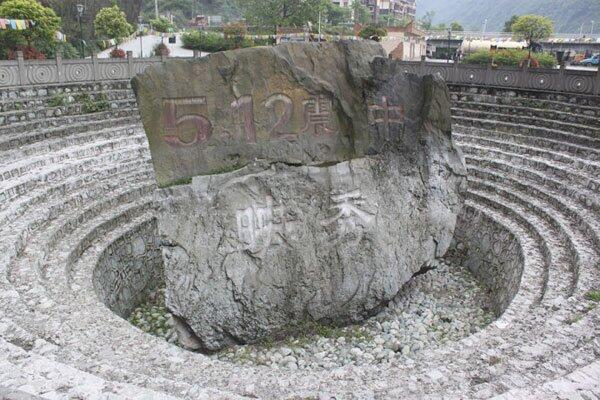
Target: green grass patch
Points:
x,y
58,100
181,181
593,295
226,169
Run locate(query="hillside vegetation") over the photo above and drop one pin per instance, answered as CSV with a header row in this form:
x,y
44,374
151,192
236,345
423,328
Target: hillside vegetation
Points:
x,y
568,15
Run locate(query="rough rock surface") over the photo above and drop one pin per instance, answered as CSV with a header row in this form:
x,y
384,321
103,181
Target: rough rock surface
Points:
x,y
354,186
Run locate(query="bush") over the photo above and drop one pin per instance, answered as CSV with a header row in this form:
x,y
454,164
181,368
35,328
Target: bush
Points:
x,y
161,49
511,58
29,53
92,106
372,32
118,53
65,49
235,30
213,42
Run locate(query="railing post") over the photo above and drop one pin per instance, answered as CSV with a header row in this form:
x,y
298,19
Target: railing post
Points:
x,y
562,79
487,76
455,77
597,91
59,68
195,53
22,68
130,63
95,69
163,58
422,66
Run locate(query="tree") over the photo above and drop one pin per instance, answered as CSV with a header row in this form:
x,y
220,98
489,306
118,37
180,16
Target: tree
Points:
x,y
337,15
456,27
427,20
47,23
162,25
508,24
112,23
373,32
275,13
362,14
533,28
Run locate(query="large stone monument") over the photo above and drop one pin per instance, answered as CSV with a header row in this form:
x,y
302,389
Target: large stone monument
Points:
x,y
303,182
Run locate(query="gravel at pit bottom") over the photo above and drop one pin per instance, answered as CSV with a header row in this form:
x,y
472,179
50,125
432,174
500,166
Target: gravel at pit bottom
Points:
x,y
442,305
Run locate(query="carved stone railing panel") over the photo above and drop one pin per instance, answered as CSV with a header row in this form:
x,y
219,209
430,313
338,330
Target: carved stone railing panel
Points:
x,y
9,73
24,72
585,82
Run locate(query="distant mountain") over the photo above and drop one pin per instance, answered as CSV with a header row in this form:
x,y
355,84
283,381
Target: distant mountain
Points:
x,y
568,15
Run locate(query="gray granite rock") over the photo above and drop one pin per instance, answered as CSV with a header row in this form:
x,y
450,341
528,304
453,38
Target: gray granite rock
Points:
x,y
262,250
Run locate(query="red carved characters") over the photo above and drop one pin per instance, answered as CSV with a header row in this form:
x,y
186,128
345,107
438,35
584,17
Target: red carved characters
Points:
x,y
190,122
317,116
186,124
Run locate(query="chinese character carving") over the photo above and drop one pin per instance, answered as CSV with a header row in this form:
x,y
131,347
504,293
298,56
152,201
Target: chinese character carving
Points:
x,y
278,130
387,114
350,215
184,118
317,116
261,226
245,106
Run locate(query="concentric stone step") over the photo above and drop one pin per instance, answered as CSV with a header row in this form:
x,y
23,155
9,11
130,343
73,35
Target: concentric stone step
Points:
x,y
75,184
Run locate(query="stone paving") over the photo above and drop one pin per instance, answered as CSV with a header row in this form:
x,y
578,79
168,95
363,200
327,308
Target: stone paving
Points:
x,y
72,184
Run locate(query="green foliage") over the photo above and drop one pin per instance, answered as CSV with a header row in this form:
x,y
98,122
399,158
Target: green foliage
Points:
x,y
456,27
427,20
58,100
65,49
47,23
508,24
337,15
372,32
111,22
91,105
281,12
509,58
362,14
593,295
212,42
533,27
161,24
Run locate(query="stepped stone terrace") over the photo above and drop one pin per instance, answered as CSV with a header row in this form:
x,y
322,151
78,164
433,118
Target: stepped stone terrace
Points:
x,y
81,269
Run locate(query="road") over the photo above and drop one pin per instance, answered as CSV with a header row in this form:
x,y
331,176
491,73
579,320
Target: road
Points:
x,y
148,43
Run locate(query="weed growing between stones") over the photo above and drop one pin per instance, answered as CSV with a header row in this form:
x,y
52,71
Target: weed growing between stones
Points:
x,y
91,105
58,100
443,305
593,295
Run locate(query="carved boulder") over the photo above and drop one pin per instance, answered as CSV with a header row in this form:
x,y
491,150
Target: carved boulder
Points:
x,y
318,178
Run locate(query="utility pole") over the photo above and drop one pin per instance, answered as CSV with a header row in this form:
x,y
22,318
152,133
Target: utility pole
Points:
x,y
581,31
592,30
80,9
485,21
449,39
156,9
141,29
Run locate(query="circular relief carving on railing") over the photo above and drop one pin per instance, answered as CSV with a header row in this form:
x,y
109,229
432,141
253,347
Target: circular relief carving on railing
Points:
x,y
408,69
8,76
79,72
442,72
115,71
472,76
140,68
579,84
541,81
506,78
40,74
